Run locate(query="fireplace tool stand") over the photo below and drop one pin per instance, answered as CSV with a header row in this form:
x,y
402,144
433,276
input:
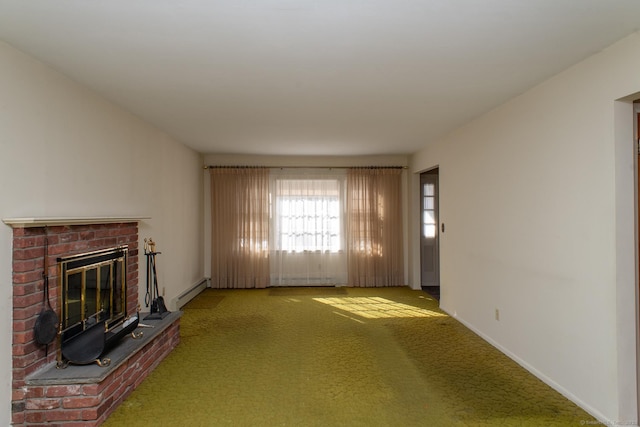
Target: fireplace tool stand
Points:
x,y
158,308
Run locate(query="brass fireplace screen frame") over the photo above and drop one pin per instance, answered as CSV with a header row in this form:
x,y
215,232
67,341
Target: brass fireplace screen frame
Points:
x,y
92,290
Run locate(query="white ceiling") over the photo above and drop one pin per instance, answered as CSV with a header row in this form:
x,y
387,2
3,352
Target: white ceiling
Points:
x,y
312,77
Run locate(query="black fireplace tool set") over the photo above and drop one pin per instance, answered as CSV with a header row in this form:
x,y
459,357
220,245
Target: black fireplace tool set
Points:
x,y
158,308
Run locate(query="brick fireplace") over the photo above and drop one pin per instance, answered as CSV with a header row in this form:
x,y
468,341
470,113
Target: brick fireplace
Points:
x,y
74,398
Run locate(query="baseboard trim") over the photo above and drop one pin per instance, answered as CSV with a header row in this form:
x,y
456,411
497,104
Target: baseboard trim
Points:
x,y
182,299
554,385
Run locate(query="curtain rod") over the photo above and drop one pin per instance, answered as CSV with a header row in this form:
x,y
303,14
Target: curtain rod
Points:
x,y
302,167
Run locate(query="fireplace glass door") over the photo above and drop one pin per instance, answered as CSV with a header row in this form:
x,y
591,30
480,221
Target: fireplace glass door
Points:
x,y
93,289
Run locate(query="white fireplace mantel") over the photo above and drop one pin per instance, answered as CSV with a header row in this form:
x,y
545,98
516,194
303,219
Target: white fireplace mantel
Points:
x,y
61,221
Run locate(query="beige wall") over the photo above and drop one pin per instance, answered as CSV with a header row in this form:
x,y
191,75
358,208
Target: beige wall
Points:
x,y
64,151
537,198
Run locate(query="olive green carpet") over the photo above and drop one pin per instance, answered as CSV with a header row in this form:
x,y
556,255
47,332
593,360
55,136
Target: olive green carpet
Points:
x,y
336,357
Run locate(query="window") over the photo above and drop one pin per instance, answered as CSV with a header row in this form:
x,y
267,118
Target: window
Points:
x,y
307,227
429,210
308,214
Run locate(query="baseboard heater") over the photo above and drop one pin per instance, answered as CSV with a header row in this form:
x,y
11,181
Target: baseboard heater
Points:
x,y
182,299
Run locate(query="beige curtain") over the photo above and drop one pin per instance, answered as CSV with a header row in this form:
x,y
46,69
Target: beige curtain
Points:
x,y
239,227
374,227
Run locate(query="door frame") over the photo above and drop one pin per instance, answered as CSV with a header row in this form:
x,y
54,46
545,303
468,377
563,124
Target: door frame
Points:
x,y
626,278
636,172
431,171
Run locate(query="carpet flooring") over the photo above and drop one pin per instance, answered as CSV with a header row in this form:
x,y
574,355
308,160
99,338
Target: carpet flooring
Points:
x,y
348,357
434,291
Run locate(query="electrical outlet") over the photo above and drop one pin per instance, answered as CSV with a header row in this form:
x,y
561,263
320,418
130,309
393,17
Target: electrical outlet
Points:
x,y
497,314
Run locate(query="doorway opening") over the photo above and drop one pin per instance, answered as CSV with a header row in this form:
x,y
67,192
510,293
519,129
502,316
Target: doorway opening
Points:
x,y
429,233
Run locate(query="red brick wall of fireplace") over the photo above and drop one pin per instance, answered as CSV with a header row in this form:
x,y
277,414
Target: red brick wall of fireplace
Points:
x,y
28,266
28,286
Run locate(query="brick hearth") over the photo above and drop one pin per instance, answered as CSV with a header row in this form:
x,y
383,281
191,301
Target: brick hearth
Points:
x,y
73,404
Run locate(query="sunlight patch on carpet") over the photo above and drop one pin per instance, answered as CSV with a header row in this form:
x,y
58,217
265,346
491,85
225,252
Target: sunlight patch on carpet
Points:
x,y
377,308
